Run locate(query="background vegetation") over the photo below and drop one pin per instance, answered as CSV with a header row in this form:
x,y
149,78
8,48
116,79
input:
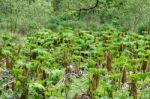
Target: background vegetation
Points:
x,y
24,16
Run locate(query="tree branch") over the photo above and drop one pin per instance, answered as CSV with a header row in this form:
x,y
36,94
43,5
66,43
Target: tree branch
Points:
x,y
96,4
85,9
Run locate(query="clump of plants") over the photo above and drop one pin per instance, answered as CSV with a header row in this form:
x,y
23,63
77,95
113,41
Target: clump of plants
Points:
x,y
75,65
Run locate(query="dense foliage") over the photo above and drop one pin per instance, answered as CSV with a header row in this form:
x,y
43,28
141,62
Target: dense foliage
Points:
x,y
24,16
75,65
74,49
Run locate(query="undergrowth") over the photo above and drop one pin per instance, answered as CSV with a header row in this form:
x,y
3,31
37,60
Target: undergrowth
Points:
x,y
77,64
